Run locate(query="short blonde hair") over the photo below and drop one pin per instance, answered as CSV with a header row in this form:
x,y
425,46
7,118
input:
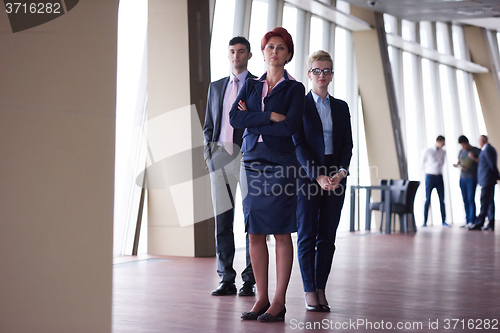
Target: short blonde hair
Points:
x,y
319,56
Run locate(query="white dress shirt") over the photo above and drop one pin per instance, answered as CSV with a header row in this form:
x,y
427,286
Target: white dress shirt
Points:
x,y
434,160
225,104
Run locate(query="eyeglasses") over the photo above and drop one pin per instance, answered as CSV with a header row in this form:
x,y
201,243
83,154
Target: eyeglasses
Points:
x,y
317,71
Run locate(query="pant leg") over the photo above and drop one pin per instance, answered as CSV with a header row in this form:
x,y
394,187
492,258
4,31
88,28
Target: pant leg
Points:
x,y
223,185
307,228
487,195
428,190
329,218
247,274
472,199
233,172
440,190
491,208
464,188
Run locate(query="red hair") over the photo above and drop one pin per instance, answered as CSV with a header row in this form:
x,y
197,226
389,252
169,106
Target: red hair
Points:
x,y
278,32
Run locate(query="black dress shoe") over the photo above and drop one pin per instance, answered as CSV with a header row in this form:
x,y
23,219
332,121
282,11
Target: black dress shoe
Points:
x,y
225,289
476,227
250,315
269,318
324,307
248,289
313,308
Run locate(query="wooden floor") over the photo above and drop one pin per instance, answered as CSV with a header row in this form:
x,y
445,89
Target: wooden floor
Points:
x,y
379,280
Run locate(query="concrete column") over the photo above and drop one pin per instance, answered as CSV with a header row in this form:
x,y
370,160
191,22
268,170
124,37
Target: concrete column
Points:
x,y
376,86
178,79
488,85
57,142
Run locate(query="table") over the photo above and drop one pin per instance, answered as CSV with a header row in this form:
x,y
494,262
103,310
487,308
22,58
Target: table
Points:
x,y
368,220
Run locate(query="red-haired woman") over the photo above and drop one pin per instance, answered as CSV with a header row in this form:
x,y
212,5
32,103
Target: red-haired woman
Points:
x,y
270,109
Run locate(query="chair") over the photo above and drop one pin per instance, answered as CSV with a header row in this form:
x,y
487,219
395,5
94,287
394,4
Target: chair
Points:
x,y
404,207
397,196
380,205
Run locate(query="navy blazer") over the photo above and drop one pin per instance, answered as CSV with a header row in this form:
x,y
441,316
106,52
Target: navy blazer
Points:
x,y
487,170
286,98
213,115
310,143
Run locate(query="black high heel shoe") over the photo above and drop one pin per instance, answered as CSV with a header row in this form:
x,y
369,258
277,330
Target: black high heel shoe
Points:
x,y
313,308
250,315
324,307
269,318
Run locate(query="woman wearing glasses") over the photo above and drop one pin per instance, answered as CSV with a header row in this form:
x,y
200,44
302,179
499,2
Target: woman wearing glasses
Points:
x,y
324,149
270,109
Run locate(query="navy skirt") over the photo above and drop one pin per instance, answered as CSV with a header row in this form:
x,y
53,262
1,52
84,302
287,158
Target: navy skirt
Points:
x,y
269,189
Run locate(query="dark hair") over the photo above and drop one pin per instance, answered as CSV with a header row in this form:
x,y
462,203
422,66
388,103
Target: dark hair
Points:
x,y
278,32
463,139
485,138
440,138
240,40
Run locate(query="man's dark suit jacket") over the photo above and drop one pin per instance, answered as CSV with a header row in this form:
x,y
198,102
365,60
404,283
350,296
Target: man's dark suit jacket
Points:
x,y
309,139
213,115
487,170
286,98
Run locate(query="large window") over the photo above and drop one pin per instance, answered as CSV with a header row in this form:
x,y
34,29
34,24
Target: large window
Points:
x,y
290,24
131,99
258,28
316,39
222,32
438,99
341,76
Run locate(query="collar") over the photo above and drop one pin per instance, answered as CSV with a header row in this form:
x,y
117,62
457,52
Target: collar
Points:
x,y
287,76
241,77
484,147
318,99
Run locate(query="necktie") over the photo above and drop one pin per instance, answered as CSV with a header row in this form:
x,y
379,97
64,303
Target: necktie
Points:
x,y
228,132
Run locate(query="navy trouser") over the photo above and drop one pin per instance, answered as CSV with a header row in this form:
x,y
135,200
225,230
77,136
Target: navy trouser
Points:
x,y
318,217
468,187
487,204
434,182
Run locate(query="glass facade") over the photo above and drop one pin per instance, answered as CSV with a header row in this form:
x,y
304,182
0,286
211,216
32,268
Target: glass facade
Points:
x,y
433,97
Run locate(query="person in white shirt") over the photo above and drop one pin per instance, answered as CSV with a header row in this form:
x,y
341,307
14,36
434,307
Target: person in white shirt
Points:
x,y
433,162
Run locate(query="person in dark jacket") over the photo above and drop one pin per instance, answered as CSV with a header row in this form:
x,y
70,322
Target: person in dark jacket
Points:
x,y
324,150
270,109
487,176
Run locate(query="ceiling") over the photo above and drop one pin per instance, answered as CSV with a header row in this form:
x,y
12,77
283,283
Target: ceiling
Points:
x,y
434,10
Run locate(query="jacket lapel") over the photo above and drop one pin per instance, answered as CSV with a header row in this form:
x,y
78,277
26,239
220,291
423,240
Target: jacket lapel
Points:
x,y
220,106
315,114
332,109
258,89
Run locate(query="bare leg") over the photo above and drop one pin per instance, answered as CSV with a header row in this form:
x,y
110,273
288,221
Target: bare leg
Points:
x,y
284,261
259,257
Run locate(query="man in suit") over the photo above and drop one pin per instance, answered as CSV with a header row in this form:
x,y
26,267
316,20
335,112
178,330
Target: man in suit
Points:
x,y
222,154
487,176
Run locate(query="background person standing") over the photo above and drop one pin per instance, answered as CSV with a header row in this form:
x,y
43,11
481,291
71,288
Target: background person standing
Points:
x,y
433,162
487,176
467,162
